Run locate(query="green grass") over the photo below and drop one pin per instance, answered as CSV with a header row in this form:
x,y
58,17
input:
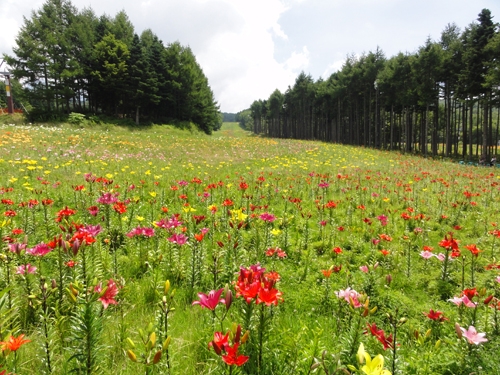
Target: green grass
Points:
x,y
161,171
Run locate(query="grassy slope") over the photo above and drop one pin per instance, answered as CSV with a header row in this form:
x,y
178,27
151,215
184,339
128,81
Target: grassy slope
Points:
x,y
383,183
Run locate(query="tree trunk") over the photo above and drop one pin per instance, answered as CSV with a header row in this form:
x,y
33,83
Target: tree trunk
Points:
x,y
485,126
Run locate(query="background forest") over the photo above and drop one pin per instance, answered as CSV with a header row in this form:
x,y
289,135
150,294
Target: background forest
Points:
x,y
443,98
71,60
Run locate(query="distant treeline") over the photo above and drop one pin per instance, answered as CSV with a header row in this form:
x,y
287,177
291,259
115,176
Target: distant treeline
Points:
x,y
444,98
228,117
70,60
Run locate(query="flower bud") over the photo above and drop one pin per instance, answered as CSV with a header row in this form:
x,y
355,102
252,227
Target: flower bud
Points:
x,y
152,338
74,292
131,343
131,355
166,343
244,338
458,330
53,283
167,287
157,357
237,336
76,246
388,279
437,344
428,333
73,297
228,297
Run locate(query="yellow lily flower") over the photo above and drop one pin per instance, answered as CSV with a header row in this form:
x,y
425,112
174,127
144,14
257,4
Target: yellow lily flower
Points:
x,y
374,366
275,232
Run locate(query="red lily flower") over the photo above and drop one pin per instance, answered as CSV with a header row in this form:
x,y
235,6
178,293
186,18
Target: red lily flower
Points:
x,y
470,293
449,243
219,342
269,296
327,273
473,249
232,357
14,343
435,315
387,342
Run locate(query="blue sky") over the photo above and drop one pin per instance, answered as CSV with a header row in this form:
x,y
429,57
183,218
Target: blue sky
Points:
x,y
247,49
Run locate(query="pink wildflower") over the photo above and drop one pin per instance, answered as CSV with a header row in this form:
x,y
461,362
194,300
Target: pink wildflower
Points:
x,y
472,336
108,296
25,268
211,300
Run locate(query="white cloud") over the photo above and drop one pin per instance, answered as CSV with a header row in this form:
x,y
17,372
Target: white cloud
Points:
x,y
332,68
247,49
240,64
298,61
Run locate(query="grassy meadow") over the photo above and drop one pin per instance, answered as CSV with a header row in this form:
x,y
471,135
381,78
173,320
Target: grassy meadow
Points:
x,y
300,257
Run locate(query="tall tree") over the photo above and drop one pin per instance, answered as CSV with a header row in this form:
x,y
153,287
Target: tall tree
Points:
x,y
137,83
427,67
121,27
111,57
44,54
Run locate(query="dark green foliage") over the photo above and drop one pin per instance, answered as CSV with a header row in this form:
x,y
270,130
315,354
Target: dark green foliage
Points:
x,y
74,61
426,102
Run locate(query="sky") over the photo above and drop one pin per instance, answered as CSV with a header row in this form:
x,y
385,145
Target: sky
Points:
x,y
247,49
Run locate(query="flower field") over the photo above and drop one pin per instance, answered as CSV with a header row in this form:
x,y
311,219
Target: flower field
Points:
x,y
161,251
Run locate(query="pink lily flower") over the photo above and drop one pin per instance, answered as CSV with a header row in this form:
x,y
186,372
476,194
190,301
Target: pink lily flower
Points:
x,y
211,300
472,336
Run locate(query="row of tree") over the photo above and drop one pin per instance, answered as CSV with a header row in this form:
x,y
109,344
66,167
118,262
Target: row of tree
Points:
x,y
71,60
442,99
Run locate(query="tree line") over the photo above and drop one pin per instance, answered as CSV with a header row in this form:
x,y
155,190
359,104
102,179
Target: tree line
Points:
x,y
70,60
442,99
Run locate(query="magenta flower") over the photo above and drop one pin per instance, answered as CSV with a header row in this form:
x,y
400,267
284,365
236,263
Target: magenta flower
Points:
x,y
211,300
39,250
382,219
89,177
108,296
364,269
25,268
323,184
108,198
497,279
93,210
178,239
141,231
17,247
168,223
91,230
472,336
267,217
